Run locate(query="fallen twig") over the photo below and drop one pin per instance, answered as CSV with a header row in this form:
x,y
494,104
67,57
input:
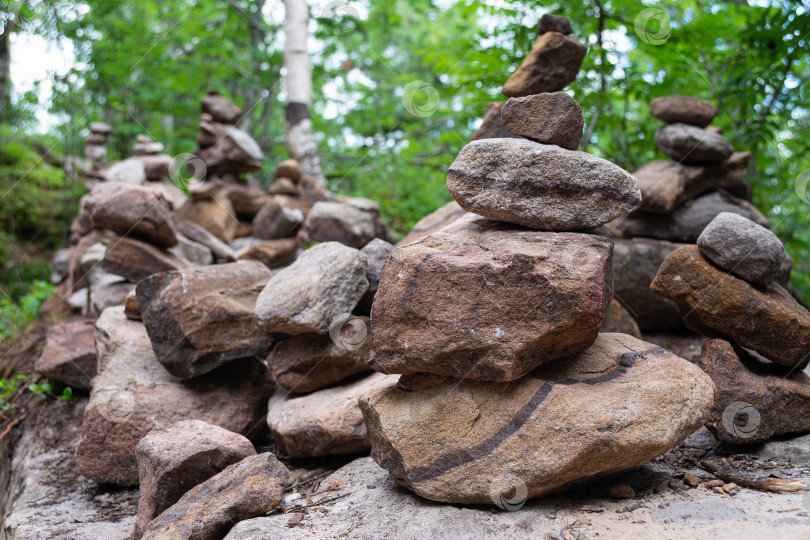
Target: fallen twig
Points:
x,y
9,426
726,472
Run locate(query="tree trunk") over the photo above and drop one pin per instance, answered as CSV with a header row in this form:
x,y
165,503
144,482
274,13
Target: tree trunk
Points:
x,y
300,143
5,71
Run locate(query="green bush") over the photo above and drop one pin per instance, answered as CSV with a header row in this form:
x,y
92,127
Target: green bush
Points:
x,y
16,315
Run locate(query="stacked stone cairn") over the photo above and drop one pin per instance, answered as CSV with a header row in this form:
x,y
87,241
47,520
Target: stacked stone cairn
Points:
x,y
507,390
95,147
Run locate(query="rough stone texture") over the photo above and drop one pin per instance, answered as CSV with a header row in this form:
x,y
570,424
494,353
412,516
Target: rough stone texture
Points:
x,y
635,263
201,318
742,247
193,252
272,253
69,355
324,422
665,185
311,361
196,233
492,125
109,295
553,23
553,62
685,344
354,223
275,221
683,109
687,222
540,186
129,171
619,320
433,222
486,300
325,282
133,394
376,253
717,304
251,488
178,457
755,401
130,210
618,404
220,109
289,168
692,144
553,118
136,260
216,215
246,201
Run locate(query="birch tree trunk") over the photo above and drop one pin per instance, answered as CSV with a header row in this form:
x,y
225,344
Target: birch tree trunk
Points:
x,y
300,143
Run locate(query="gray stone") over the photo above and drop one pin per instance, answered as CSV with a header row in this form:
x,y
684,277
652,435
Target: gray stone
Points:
x,y
196,233
376,253
552,118
325,282
742,247
540,186
136,260
355,222
691,144
129,171
192,252
275,221
683,109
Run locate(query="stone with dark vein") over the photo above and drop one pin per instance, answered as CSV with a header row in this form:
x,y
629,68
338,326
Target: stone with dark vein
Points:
x,y
553,62
551,118
683,109
755,401
540,186
487,300
691,144
618,404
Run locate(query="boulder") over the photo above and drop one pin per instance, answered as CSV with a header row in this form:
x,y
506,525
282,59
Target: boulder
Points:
x,y
311,361
196,233
691,144
324,422
201,318
665,185
755,401
376,253
492,125
136,260
132,394
687,222
540,186
486,300
553,62
250,488
618,404
178,457
684,110
742,247
714,303
553,23
635,263
69,356
215,214
435,221
355,222
275,221
552,118
620,321
326,281
272,253
129,171
130,210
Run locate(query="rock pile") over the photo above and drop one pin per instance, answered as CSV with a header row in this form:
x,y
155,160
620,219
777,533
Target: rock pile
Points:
x,y
95,147
493,322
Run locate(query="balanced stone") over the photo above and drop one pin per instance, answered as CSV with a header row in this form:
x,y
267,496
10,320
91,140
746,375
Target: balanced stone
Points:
x,y
540,186
553,23
742,247
692,144
487,300
553,62
553,118
683,109
618,404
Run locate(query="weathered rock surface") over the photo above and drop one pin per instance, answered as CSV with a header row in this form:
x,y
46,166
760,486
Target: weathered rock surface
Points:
x,y
717,304
492,125
272,253
620,321
540,186
742,247
618,404
683,109
246,201
486,300
251,488
435,221
275,221
129,171
376,253
198,234
136,260
324,422
692,144
553,23
685,344
191,251
216,215
130,210
311,361
635,264
326,281
665,185
755,401
69,355
553,62
220,109
178,457
687,222
201,318
551,118
133,394
354,223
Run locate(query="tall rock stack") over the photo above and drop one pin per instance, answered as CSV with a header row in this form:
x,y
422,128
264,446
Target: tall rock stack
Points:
x,y
95,147
507,390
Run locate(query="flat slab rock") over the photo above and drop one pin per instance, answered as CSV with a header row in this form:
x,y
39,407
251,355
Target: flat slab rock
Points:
x,y
540,186
486,300
767,320
684,109
691,144
69,355
618,404
553,62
